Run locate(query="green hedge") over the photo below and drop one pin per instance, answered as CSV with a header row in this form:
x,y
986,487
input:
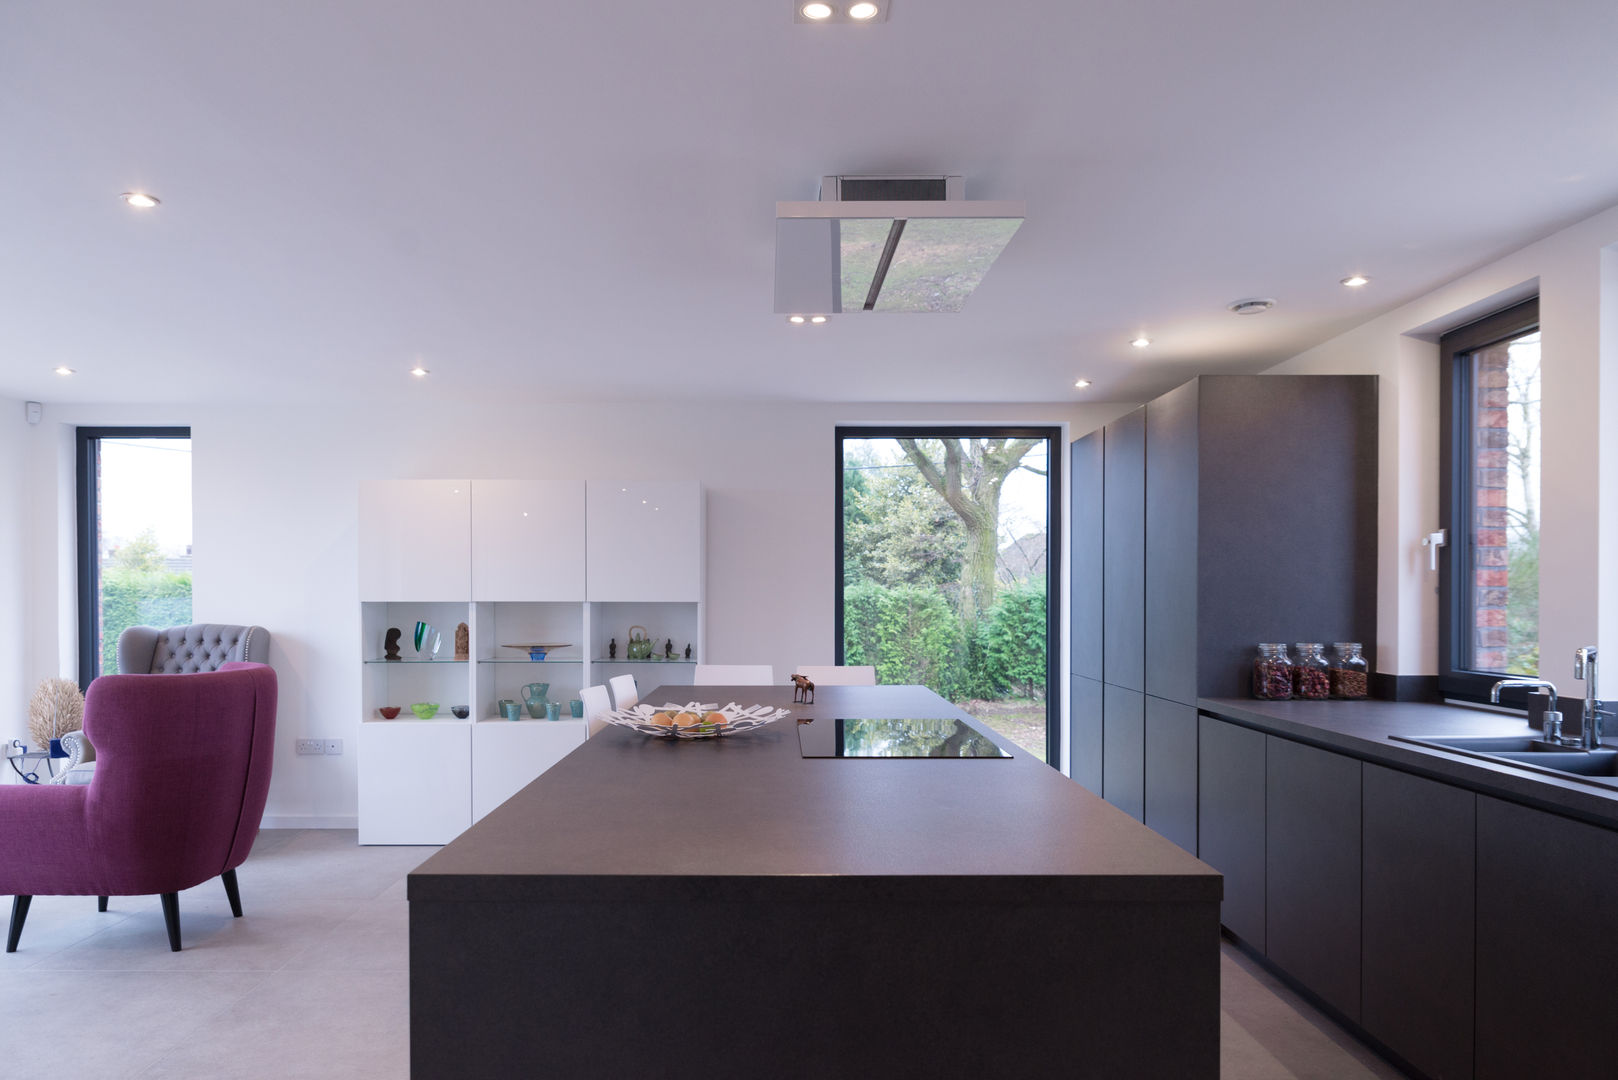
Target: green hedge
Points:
x,y
140,598
911,634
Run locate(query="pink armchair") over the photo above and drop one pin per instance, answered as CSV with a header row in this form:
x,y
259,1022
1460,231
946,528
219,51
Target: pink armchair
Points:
x,y
176,799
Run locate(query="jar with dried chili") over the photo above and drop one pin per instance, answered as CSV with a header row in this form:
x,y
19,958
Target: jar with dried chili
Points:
x,y
1350,678
1311,678
1272,672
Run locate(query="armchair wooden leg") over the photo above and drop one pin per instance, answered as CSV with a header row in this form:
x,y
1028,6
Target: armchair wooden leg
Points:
x,y
171,918
19,913
232,892
101,903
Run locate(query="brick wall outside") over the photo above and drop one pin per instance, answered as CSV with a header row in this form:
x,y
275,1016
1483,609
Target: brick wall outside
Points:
x,y
1489,543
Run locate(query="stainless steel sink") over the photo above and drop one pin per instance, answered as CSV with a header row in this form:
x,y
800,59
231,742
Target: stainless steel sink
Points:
x,y
1529,752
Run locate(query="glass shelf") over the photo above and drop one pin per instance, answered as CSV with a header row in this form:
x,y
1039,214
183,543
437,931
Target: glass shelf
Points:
x,y
411,660
525,660
666,663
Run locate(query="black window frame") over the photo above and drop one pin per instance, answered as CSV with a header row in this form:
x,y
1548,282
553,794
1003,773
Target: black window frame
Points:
x,y
1052,434
87,476
1457,483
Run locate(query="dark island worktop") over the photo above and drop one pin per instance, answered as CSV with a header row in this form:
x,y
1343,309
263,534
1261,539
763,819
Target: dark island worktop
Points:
x,y
1363,729
748,817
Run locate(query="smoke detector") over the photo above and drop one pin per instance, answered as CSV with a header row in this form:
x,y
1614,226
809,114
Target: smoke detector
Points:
x,y
1251,306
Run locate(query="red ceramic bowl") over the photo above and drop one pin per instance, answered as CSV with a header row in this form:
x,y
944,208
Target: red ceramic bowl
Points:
x,y
389,711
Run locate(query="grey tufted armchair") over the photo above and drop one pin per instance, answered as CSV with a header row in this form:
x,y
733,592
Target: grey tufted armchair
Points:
x,y
177,650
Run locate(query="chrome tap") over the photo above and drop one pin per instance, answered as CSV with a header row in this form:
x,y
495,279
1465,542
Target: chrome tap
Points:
x,y
1552,719
1584,667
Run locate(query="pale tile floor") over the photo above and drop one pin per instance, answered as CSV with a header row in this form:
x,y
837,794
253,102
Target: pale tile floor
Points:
x,y
314,982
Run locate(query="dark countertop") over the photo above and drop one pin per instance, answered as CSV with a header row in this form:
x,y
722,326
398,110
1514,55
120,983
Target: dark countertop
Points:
x,y
1363,729
746,817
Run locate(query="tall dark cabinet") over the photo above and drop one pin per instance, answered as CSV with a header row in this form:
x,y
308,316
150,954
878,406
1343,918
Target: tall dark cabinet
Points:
x,y
1234,509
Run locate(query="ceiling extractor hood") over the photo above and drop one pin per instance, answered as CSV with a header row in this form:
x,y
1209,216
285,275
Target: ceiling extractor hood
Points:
x,y
887,243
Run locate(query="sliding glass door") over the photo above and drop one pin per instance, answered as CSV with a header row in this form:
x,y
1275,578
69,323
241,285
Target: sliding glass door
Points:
x,y
946,560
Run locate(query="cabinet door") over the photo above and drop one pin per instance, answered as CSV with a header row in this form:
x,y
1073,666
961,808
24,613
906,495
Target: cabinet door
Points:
x,y
1124,552
1123,749
415,783
1547,888
415,540
1312,869
507,756
1085,545
527,540
1171,771
1171,545
644,541
1085,733
1418,891
1230,821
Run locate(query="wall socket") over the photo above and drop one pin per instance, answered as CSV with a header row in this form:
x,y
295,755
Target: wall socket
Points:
x,y
319,746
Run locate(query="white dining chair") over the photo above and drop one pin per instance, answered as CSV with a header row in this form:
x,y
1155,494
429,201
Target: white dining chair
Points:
x,y
838,674
625,694
734,675
595,703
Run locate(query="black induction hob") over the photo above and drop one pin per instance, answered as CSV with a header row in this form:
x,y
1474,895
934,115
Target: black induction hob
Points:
x,y
840,737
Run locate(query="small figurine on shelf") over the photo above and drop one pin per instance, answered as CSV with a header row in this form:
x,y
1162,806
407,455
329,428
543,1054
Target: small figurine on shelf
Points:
x,y
391,643
668,649
688,650
803,691
463,642
612,649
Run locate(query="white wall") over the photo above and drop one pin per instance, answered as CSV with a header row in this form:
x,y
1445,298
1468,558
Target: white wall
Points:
x,y
275,494
15,688
1575,272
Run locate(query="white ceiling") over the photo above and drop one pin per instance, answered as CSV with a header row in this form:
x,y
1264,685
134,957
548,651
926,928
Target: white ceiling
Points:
x,y
576,200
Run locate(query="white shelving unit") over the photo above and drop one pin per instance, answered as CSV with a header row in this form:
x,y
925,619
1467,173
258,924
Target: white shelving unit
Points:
x,y
516,560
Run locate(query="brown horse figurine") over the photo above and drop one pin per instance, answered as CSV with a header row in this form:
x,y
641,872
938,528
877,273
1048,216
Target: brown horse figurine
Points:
x,y
803,690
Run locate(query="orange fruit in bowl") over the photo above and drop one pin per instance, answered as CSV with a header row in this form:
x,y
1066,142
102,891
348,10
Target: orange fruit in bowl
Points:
x,y
663,719
687,719
714,718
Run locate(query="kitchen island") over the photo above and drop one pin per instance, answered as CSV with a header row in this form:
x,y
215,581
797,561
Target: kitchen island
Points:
x,y
729,908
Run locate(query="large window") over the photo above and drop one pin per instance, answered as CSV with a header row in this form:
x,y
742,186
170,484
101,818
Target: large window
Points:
x,y
946,561
1489,589
134,537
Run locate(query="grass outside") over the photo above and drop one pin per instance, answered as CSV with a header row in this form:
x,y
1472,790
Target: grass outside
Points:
x,y
1020,720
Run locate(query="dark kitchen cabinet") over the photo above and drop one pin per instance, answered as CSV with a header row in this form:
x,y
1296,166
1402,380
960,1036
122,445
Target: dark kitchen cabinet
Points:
x,y
1085,543
1312,869
1547,957
1418,890
1230,821
1170,803
1085,733
1123,554
1123,750
1260,524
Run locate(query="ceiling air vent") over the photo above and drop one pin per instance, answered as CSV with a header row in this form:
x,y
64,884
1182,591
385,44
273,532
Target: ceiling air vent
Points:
x,y
1251,307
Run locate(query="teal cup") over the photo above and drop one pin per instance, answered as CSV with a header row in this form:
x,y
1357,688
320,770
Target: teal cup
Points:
x,y
553,710
512,710
575,707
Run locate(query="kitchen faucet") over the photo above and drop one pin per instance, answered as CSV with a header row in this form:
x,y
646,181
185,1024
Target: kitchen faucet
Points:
x,y
1584,667
1551,719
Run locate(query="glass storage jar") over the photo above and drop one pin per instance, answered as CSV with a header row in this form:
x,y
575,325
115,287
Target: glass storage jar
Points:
x,y
1311,678
1350,675
1272,672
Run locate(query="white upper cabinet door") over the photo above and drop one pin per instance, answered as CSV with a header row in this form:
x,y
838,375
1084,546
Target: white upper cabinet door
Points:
x,y
645,541
528,540
415,540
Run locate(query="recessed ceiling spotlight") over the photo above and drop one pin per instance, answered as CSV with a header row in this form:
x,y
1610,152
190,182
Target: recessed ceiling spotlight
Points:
x,y
1081,384
1141,342
1251,306
65,370
1355,281
816,11
795,319
863,11
140,199
420,372
817,318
